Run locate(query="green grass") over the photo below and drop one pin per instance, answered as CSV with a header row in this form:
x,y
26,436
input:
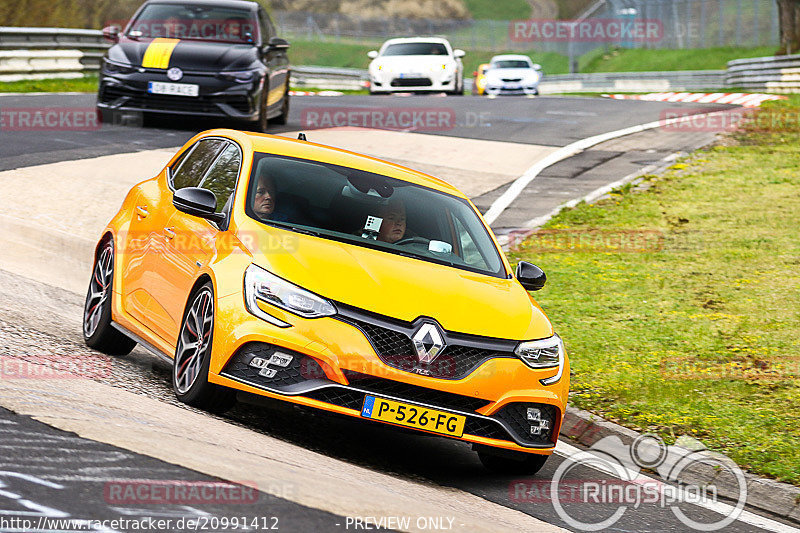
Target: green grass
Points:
x,y
494,10
338,54
638,60
699,336
87,84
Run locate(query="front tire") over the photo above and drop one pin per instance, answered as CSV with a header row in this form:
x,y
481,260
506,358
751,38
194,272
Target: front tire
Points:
x,y
98,333
511,463
261,124
193,356
283,118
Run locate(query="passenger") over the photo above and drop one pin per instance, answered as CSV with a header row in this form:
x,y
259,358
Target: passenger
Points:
x,y
264,201
393,227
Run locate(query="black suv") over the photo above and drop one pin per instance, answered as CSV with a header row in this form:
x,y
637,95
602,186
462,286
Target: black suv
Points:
x,y
213,58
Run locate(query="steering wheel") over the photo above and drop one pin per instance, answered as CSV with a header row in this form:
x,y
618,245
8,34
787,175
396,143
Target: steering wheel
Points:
x,y
413,240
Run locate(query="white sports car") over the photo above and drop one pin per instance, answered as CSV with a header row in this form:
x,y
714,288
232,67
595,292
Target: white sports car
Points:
x,y
419,64
513,74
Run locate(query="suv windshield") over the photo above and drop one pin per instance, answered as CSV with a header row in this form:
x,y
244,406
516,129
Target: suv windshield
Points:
x,y
511,63
370,210
200,22
415,49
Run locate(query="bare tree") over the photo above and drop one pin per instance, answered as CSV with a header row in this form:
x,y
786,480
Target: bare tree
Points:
x,y
789,16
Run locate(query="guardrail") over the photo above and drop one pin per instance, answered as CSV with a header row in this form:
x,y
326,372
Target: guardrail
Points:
x,y
773,74
329,78
684,80
35,53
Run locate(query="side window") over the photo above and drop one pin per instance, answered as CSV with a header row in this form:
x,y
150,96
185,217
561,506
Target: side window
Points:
x,y
265,25
468,247
194,166
221,177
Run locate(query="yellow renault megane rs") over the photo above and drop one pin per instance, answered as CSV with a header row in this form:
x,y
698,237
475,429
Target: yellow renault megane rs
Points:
x,y
332,280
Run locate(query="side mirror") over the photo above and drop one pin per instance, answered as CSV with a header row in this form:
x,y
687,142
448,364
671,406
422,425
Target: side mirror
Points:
x,y
276,43
197,202
111,33
372,54
459,53
537,66
530,276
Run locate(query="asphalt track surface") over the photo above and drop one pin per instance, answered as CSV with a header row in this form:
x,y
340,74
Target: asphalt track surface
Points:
x,y
550,120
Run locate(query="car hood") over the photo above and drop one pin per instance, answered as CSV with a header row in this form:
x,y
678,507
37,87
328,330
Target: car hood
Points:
x,y
190,55
414,63
511,73
406,288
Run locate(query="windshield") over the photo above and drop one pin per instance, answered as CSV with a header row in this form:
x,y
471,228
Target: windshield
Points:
x,y
511,63
415,49
203,23
370,210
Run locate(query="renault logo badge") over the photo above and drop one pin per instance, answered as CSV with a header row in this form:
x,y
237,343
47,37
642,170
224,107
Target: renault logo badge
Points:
x,y
428,342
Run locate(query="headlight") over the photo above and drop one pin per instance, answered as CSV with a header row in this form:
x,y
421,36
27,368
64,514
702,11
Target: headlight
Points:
x,y
115,67
242,76
267,287
532,78
543,353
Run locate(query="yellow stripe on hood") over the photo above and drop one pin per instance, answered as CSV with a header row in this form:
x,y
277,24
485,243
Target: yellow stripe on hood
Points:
x,y
158,53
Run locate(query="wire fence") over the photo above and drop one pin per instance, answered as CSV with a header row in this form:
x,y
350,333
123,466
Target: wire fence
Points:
x,y
682,24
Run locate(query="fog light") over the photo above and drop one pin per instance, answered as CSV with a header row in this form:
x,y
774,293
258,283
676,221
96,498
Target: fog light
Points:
x,y
280,359
267,372
258,362
538,424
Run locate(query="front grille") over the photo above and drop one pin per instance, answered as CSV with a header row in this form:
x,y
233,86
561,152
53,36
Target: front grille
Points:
x,y
157,102
340,396
478,426
391,340
512,80
301,368
414,393
412,82
515,415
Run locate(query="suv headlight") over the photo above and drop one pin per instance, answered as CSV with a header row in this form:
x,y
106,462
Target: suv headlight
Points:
x,y
242,76
116,67
543,353
267,287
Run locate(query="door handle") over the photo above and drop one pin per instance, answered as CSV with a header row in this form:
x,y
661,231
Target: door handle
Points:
x,y
142,211
170,233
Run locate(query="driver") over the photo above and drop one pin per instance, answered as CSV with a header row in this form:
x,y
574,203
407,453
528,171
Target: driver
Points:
x,y
264,202
393,227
